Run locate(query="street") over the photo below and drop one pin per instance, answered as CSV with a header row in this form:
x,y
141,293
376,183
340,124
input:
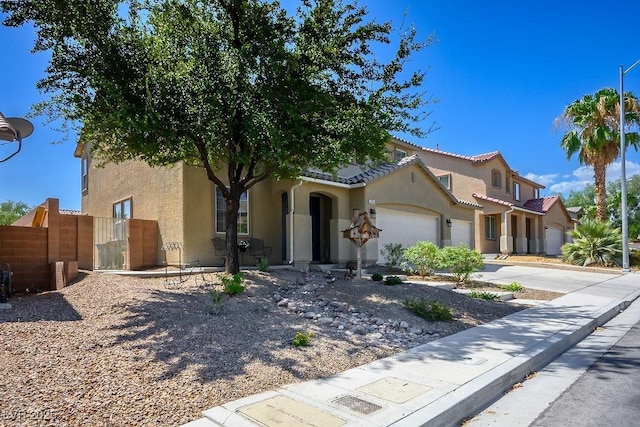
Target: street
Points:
x,y
606,395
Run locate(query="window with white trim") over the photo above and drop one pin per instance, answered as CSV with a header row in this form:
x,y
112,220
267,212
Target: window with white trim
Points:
x,y
445,180
84,162
490,227
221,213
536,193
399,155
516,191
121,212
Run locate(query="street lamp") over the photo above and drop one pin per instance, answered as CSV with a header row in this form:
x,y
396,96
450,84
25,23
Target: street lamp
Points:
x,y
623,174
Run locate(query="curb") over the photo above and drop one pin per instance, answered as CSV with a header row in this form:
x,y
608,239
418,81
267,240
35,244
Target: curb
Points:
x,y
480,392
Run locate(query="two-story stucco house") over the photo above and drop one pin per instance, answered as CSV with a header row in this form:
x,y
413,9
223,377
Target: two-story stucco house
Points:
x,y
513,218
300,220
420,194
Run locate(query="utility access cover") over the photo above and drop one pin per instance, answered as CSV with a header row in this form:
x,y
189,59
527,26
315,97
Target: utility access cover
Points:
x,y
281,411
357,405
394,389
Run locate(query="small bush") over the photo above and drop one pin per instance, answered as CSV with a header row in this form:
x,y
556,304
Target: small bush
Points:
x,y
233,285
302,339
512,287
392,252
422,258
484,295
461,261
216,296
376,277
393,280
263,265
428,309
634,258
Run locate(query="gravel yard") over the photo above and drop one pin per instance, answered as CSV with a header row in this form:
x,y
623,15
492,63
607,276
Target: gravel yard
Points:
x,y
123,351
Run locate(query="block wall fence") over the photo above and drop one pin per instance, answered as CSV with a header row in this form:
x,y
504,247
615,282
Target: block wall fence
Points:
x,y
49,257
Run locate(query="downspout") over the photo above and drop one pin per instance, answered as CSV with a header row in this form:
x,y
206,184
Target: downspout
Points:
x,y
291,212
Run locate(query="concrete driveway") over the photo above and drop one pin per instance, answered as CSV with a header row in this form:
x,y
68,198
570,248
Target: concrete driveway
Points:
x,y
544,278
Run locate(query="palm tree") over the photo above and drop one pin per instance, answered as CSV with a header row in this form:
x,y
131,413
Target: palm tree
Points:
x,y
593,132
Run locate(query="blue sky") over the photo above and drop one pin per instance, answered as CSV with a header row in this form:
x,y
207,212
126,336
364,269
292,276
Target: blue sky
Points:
x,y
502,72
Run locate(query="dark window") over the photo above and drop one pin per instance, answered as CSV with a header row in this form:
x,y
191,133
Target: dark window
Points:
x,y
490,228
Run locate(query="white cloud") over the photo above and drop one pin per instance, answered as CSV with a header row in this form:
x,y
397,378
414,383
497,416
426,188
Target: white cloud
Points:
x,y
542,179
584,175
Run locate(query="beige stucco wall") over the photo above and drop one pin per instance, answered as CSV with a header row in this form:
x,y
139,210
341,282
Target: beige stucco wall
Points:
x,y
154,194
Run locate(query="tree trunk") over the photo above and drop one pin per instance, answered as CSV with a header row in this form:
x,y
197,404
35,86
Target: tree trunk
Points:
x,y
600,175
232,262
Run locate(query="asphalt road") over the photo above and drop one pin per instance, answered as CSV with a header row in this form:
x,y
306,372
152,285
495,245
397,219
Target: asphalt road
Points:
x,y
608,394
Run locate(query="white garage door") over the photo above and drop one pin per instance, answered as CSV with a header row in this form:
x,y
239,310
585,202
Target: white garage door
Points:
x,y
554,240
405,228
461,232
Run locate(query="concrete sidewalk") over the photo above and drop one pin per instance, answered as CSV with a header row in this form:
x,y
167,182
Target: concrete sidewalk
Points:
x,y
445,381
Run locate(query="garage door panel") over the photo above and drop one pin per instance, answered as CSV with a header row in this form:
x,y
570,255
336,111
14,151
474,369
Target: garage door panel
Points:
x,y
461,233
554,240
405,228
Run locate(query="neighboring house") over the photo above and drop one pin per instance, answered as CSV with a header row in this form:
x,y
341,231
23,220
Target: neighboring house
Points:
x,y
301,220
513,218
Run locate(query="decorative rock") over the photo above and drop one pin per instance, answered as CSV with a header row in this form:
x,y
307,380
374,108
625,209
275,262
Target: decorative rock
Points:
x,y
309,315
283,302
416,331
359,330
340,327
325,320
404,325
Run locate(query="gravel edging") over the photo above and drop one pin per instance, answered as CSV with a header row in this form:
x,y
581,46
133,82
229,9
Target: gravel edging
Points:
x,y
120,351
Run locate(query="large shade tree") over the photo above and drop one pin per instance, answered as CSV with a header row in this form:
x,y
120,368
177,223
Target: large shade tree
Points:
x,y
243,88
592,127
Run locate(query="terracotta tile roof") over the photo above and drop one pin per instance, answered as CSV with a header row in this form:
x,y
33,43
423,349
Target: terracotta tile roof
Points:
x,y
479,158
541,205
492,199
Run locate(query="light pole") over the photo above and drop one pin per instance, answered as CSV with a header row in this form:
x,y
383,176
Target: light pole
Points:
x,y
623,175
14,129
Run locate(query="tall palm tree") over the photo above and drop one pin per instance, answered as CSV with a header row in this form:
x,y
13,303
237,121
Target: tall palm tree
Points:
x,y
593,132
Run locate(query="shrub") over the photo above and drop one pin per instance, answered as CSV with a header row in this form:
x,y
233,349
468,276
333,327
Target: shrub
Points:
x,y
393,280
392,252
233,285
484,295
594,243
376,277
263,265
461,261
512,287
302,339
428,309
634,258
422,258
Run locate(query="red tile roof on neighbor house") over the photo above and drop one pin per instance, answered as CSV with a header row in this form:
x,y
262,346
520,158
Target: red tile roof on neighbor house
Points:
x,y
541,205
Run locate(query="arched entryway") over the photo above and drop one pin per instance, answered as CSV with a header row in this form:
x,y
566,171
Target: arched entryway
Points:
x,y
320,209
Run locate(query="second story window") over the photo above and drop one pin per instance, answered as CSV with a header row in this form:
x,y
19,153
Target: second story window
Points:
x,y
536,193
398,155
507,184
496,178
445,180
516,191
84,162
